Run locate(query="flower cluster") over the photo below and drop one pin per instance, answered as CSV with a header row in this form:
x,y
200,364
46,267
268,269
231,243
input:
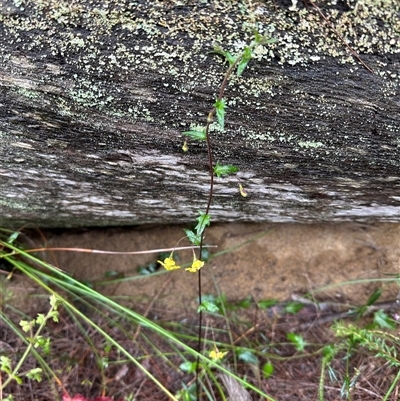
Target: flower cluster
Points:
x,y
216,354
170,264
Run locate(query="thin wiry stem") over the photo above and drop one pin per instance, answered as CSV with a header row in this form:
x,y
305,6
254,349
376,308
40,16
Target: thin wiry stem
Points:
x,y
210,119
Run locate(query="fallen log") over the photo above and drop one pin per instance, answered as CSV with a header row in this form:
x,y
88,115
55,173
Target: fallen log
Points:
x,y
95,96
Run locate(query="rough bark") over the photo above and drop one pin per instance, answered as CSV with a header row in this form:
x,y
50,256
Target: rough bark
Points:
x,y
95,96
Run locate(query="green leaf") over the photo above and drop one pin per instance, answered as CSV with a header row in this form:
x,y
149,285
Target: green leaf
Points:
x,y
228,56
294,307
5,364
43,343
329,351
192,237
13,237
196,135
205,254
267,303
244,303
202,222
247,356
246,57
41,318
262,40
208,306
108,347
374,297
35,374
188,367
188,393
268,369
55,301
27,326
383,320
297,340
220,107
227,169
223,302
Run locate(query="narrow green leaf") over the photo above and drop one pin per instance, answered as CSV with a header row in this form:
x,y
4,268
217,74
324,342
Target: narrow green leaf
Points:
x,y
374,297
227,169
246,57
196,135
244,303
267,303
13,237
294,307
220,106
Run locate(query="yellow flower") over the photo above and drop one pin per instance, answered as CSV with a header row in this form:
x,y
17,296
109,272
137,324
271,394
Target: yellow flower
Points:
x,y
169,263
196,265
216,355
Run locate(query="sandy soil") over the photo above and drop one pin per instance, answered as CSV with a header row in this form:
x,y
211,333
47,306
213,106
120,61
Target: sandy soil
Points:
x,y
262,260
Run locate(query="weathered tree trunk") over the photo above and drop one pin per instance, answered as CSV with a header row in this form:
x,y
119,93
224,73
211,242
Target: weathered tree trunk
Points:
x,y
95,96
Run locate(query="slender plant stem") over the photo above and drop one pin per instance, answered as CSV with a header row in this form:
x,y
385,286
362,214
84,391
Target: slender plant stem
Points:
x,y
210,119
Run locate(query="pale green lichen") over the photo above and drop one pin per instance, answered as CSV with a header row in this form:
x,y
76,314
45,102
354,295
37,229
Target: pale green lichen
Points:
x,y
310,144
16,203
305,41
133,38
30,94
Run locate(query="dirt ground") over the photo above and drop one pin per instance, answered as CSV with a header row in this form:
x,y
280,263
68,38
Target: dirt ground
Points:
x,y
265,261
